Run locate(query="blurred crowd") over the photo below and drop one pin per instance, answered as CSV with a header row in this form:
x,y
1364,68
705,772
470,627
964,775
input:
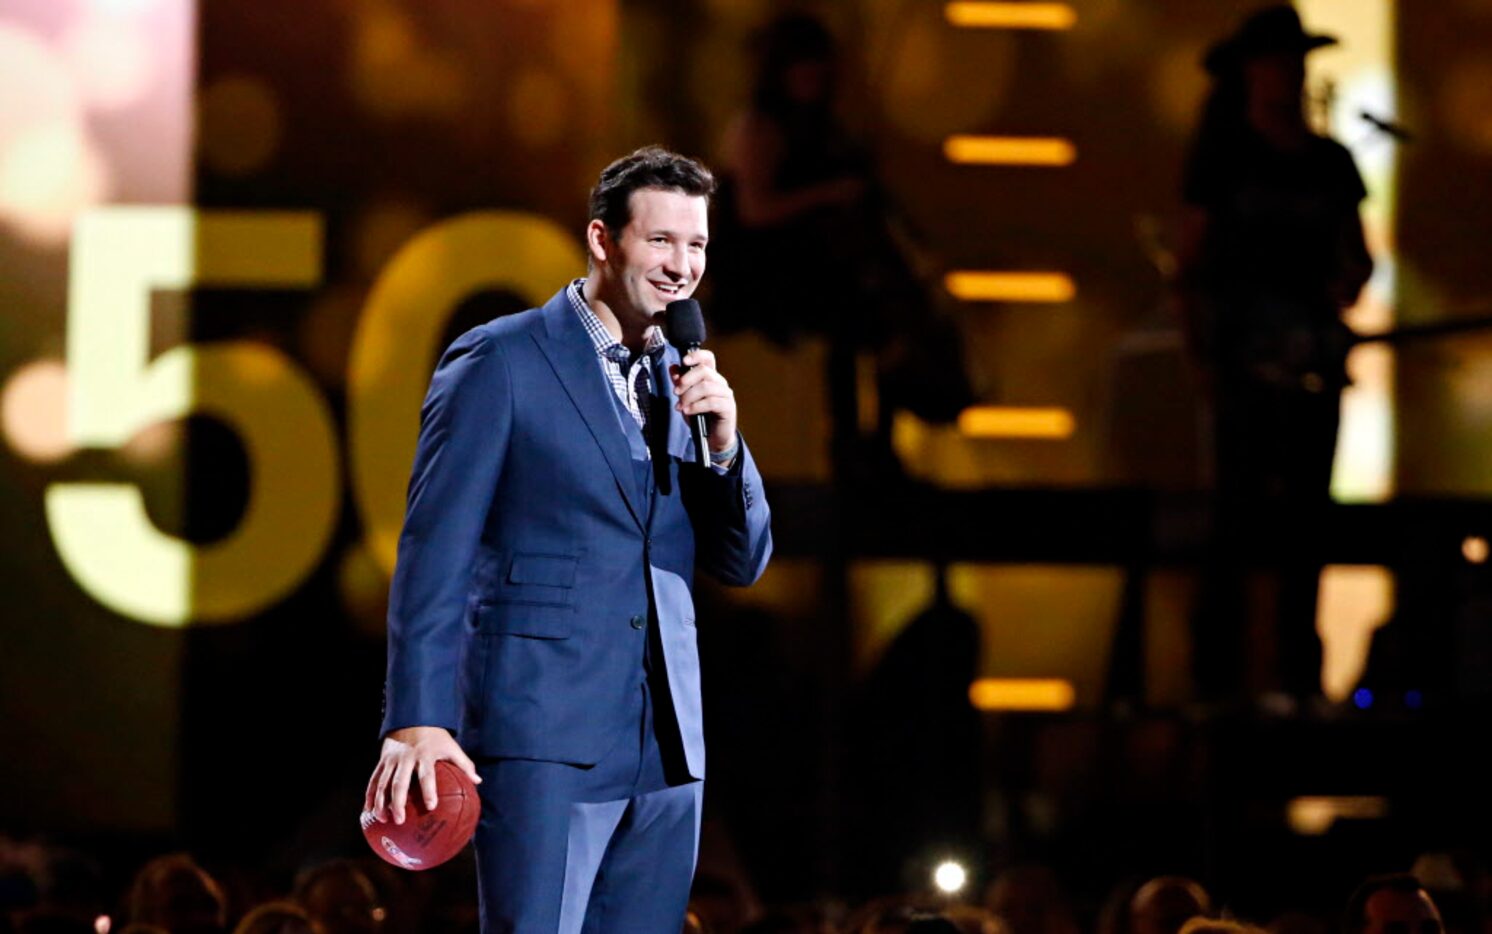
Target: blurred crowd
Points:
x,y
51,889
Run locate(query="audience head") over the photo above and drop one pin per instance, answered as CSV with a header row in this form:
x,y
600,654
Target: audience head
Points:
x,y
1391,904
340,898
1166,903
920,914
174,893
972,919
1201,925
721,902
1029,901
277,918
1458,885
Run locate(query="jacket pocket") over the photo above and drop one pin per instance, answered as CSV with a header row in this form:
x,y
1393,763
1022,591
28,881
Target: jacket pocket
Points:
x,y
523,619
535,580
544,570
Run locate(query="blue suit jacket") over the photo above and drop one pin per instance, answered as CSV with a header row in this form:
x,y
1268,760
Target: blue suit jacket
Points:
x,y
529,561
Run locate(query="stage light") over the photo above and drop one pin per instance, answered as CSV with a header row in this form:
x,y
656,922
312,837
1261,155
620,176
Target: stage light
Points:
x,y
950,877
49,175
1474,549
967,149
1312,816
1413,700
49,170
1028,694
32,411
102,924
1354,600
1003,421
125,7
993,286
111,60
1362,698
989,15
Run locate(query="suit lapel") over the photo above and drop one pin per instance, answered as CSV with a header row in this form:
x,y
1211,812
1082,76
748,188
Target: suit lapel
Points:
x,y
572,356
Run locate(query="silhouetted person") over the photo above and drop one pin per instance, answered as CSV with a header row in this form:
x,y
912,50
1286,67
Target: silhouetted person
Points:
x,y
278,918
1391,904
1273,252
1458,884
917,741
900,914
1165,904
49,888
1217,926
796,184
1030,901
340,898
174,893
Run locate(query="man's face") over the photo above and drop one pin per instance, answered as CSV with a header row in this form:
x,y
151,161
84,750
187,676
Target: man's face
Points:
x,y
659,256
1390,912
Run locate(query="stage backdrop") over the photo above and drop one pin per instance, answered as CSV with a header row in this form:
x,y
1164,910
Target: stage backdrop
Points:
x,y
237,235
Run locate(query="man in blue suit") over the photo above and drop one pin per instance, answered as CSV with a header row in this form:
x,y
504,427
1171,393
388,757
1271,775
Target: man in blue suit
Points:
x,y
541,623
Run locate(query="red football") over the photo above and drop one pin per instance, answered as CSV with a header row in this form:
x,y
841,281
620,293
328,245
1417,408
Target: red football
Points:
x,y
428,838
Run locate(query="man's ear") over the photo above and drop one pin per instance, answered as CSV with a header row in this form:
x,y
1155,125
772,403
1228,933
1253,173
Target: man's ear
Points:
x,y
598,243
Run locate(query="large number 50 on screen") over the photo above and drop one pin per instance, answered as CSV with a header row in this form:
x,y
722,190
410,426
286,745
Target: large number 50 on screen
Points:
x,y
120,255
106,539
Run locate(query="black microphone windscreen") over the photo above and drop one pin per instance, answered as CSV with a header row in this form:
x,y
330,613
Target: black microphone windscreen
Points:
x,y
685,323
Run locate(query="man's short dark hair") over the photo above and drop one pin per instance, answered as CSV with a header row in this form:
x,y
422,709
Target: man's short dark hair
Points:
x,y
1355,917
648,167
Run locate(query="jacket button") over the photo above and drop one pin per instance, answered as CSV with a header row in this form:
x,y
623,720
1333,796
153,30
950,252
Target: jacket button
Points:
x,y
638,622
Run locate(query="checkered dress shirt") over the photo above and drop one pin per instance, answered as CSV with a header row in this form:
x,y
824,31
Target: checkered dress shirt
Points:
x,y
631,377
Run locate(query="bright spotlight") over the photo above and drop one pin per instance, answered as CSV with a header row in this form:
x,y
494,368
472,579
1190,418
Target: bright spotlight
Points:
x,y
949,877
1474,549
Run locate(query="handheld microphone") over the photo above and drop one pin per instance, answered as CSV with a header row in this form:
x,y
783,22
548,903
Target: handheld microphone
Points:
x,y
1388,127
685,326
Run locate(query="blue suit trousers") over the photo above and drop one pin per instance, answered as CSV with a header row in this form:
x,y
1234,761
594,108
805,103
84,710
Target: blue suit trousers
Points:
x,y
608,849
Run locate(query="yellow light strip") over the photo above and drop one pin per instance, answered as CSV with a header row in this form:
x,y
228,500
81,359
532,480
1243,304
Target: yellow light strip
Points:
x,y
971,15
975,286
1009,150
1001,421
1022,694
1313,816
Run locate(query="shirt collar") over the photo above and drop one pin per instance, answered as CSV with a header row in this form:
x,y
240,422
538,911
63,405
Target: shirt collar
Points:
x,y
606,345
